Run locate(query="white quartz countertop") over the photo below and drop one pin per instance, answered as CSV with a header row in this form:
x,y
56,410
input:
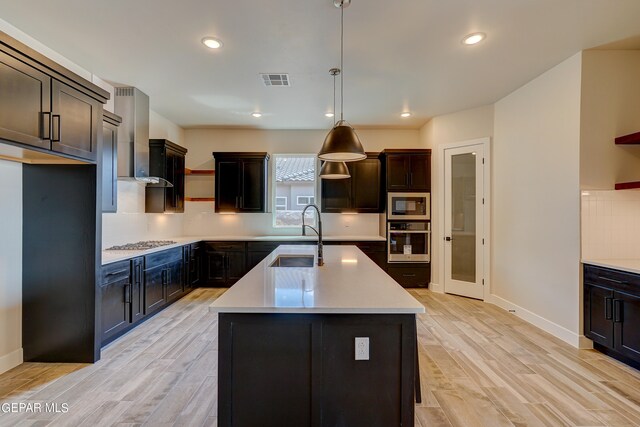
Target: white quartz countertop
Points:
x,y
628,265
348,282
109,257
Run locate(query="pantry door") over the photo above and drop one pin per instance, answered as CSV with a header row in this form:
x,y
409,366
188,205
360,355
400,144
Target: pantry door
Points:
x,y
464,220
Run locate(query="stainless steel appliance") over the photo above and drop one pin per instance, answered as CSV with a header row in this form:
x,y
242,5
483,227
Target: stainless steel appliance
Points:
x,y
408,241
409,206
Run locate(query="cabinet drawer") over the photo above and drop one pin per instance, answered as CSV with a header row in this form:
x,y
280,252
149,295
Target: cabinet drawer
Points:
x,y
410,277
115,272
610,278
226,246
370,246
163,257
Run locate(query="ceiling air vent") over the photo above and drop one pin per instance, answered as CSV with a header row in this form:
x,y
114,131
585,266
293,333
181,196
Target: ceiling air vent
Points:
x,y
275,79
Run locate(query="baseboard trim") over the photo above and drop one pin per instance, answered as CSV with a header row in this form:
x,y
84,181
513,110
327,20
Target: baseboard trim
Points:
x,y
585,343
434,287
546,325
11,360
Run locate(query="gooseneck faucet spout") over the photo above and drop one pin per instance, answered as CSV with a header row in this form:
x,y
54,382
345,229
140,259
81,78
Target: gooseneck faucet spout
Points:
x,y
318,231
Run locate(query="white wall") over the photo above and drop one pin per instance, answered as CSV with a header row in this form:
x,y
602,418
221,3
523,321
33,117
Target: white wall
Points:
x,y
10,265
131,223
536,206
199,216
610,108
461,126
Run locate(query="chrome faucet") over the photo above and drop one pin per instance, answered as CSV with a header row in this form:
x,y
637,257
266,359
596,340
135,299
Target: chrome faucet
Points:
x,y
318,231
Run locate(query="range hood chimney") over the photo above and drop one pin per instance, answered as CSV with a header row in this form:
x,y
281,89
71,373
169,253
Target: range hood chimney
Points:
x,y
133,137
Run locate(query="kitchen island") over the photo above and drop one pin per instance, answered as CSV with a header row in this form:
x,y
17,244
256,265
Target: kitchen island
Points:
x,y
287,343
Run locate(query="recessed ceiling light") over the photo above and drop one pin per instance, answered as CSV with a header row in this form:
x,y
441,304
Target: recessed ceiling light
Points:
x,y
328,114
405,114
256,114
212,43
474,38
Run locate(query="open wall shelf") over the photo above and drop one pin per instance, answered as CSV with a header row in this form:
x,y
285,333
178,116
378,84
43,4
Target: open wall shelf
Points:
x,y
632,139
627,185
188,171
200,199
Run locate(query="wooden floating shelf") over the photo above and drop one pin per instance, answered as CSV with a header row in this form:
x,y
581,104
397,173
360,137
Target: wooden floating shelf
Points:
x,y
627,185
199,171
632,139
200,199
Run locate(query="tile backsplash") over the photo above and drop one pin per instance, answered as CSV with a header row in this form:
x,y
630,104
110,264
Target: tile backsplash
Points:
x,y
610,224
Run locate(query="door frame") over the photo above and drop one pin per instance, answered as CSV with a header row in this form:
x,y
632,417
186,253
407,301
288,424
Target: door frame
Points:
x,y
486,210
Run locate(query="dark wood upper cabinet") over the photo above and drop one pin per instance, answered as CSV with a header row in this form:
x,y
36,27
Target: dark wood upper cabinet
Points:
x,y
361,193
241,182
25,103
45,106
110,123
166,160
408,170
75,120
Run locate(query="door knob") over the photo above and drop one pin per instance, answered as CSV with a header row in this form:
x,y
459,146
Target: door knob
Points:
x,y
448,239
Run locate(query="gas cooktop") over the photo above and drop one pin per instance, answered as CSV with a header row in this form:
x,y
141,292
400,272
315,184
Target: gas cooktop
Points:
x,y
141,246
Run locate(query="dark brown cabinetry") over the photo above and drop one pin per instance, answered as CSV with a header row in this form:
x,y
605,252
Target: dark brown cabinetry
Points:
x,y
612,312
410,275
224,263
43,112
166,160
163,279
110,123
241,182
192,265
362,192
325,386
408,170
116,298
25,104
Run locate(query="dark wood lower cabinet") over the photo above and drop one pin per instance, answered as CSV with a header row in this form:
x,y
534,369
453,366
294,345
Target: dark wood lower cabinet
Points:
x,y
116,298
224,263
325,385
132,290
410,275
612,312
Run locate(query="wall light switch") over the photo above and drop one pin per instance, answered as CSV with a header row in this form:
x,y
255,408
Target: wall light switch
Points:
x,y
362,348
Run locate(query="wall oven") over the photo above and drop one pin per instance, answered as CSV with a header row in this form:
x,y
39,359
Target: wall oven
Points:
x,y
413,206
408,241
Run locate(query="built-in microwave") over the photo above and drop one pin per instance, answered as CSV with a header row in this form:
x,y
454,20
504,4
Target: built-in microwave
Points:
x,y
411,206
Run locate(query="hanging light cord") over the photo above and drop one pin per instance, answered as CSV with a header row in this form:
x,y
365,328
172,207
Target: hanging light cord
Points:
x,y
334,100
341,61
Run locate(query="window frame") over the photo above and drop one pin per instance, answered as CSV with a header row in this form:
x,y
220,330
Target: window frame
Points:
x,y
310,200
273,184
276,204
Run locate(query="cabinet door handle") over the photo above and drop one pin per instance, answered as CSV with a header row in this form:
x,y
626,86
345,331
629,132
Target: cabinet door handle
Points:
x,y
618,314
606,279
608,308
55,120
164,276
237,201
127,294
46,126
410,179
138,277
241,202
409,275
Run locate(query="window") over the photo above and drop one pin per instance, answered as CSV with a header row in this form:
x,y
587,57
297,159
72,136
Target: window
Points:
x,y
304,200
281,203
294,187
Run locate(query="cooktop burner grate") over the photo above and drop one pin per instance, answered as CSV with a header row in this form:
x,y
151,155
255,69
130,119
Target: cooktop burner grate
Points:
x,y
141,246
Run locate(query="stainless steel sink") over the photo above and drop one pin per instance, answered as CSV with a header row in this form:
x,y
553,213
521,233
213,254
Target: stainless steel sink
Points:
x,y
293,261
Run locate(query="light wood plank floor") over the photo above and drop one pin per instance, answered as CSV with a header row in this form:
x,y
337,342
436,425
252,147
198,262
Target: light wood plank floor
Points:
x,y
479,365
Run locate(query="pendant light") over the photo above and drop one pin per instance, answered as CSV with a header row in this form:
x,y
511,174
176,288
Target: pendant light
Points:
x,y
334,170
342,143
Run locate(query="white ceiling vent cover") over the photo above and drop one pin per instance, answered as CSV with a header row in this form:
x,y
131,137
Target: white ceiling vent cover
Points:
x,y
271,79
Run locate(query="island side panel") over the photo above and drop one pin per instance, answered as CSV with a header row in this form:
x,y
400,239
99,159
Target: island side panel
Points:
x,y
300,369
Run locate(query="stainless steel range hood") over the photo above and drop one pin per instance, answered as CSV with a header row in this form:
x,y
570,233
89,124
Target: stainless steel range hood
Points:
x,y
133,137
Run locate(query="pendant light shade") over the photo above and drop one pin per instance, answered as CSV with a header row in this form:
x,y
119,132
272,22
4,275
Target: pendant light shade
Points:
x,y
334,170
342,145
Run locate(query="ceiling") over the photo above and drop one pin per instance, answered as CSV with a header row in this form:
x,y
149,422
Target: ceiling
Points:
x,y
399,55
